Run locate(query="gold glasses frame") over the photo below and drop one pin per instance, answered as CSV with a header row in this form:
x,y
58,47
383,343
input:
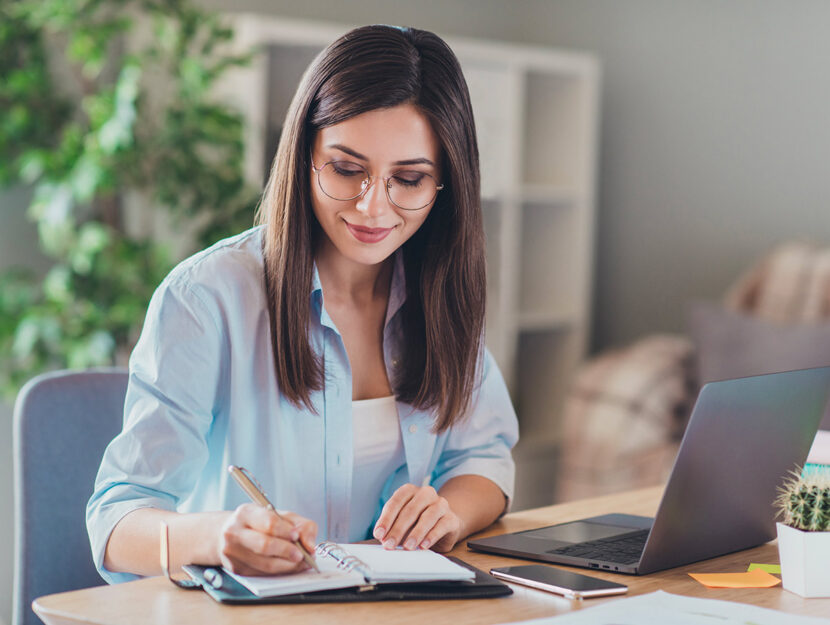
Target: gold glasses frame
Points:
x,y
368,181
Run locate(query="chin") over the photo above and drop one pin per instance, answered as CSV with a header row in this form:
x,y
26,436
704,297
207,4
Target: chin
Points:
x,y
369,256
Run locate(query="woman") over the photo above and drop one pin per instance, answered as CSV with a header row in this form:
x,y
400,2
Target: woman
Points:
x,y
336,350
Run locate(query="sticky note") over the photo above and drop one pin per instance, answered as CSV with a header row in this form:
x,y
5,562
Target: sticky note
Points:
x,y
753,579
775,569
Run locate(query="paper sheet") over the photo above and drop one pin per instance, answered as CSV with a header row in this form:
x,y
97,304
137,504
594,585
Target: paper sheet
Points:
x,y
775,569
754,579
662,608
820,451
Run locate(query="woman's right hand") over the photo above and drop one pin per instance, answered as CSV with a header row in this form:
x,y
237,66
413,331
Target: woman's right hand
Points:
x,y
255,541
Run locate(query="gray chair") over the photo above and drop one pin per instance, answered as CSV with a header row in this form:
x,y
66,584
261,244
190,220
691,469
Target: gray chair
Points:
x,y
62,423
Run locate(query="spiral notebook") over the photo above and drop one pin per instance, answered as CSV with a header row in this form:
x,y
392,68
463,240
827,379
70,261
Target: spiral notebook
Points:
x,y
359,565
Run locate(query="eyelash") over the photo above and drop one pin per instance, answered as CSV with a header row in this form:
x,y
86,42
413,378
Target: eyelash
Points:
x,y
340,170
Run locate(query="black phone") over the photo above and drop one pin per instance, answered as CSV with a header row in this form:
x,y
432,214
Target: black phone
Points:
x,y
572,585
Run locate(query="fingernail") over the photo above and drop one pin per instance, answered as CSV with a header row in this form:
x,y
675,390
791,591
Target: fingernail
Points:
x,y
410,544
425,544
389,544
296,556
295,535
379,533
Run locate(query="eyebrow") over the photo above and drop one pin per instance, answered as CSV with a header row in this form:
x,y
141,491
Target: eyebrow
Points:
x,y
358,155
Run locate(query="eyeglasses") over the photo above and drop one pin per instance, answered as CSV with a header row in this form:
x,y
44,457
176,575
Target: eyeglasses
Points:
x,y
408,189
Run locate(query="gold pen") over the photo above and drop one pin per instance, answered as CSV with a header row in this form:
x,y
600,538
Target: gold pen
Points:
x,y
257,496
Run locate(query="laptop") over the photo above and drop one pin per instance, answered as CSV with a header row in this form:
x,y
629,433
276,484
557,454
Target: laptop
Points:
x,y
743,437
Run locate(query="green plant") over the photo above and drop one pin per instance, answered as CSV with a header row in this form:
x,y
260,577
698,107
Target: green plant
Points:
x,y
804,500
94,110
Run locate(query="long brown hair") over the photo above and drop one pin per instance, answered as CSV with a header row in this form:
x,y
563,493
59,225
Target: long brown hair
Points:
x,y
368,68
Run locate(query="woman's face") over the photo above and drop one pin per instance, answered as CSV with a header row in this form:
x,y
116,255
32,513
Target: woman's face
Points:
x,y
395,142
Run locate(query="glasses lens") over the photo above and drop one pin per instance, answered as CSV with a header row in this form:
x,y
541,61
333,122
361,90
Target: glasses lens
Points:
x,y
342,180
408,189
412,189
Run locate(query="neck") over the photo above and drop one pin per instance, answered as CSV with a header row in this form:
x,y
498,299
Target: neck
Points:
x,y
347,281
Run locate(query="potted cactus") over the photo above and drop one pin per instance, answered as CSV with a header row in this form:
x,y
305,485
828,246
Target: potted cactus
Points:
x,y
804,534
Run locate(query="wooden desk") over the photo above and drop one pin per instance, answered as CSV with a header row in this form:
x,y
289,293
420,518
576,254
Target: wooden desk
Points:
x,y
155,601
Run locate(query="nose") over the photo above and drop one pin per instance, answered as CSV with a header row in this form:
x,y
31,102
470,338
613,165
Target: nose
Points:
x,y
373,202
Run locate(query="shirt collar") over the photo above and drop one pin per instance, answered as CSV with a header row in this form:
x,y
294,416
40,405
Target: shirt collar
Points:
x,y
397,293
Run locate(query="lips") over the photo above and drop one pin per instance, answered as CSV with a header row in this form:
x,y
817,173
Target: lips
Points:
x,y
368,235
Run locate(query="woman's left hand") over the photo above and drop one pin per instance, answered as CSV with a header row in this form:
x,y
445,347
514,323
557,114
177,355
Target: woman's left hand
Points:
x,y
418,518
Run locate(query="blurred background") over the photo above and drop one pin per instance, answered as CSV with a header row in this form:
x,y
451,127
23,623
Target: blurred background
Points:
x,y
698,133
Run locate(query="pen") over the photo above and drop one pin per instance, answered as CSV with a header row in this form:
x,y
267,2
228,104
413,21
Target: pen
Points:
x,y
257,496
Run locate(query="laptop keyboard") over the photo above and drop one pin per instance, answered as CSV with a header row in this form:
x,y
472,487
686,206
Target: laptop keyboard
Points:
x,y
624,549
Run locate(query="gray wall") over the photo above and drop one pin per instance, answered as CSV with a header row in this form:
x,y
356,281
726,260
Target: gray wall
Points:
x,y
715,144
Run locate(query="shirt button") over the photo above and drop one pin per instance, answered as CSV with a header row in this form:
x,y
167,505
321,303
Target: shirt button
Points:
x,y
395,362
413,428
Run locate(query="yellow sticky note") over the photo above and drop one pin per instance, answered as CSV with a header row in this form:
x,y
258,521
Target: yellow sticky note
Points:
x,y
753,579
775,569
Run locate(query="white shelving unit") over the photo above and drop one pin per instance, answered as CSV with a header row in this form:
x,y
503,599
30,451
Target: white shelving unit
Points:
x,y
537,120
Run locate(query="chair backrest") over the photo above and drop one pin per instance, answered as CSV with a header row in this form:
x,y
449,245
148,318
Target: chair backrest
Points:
x,y
62,423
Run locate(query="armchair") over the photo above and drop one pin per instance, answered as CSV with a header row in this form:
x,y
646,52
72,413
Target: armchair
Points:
x,y
627,409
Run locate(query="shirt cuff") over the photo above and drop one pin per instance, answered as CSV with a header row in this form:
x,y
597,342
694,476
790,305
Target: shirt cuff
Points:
x,y
101,521
500,471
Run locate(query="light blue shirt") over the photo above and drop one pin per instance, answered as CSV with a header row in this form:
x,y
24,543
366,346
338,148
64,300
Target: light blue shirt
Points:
x,y
202,394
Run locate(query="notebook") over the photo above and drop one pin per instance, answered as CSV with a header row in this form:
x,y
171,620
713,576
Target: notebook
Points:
x,y
358,565
227,591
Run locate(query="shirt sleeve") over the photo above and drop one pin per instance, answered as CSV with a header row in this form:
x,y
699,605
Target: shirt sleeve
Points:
x,y
159,455
481,443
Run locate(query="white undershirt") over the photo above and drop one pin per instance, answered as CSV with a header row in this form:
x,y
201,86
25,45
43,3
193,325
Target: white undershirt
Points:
x,y
378,451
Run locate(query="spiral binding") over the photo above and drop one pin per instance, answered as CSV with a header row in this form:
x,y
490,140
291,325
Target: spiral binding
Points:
x,y
345,560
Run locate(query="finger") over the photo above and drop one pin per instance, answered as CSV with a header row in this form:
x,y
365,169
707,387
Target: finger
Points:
x,y
247,563
266,521
266,545
408,516
306,528
392,508
308,535
247,548
441,536
426,521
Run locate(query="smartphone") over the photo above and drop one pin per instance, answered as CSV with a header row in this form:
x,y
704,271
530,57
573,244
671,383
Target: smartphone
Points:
x,y
571,585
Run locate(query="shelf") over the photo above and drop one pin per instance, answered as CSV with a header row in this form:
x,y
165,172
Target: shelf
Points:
x,y
491,211
557,124
541,321
490,90
552,276
547,363
554,195
550,360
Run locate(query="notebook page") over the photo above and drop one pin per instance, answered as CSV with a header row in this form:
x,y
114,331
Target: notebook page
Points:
x,y
329,578
399,565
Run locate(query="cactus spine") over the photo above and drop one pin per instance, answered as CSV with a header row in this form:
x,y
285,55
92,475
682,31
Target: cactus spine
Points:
x,y
804,500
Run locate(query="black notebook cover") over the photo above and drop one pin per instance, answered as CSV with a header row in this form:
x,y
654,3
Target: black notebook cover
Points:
x,y
484,586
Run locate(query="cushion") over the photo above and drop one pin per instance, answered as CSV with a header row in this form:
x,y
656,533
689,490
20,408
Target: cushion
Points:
x,y
624,417
734,345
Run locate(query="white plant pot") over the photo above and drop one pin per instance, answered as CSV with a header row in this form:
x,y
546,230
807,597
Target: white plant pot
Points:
x,y
805,561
